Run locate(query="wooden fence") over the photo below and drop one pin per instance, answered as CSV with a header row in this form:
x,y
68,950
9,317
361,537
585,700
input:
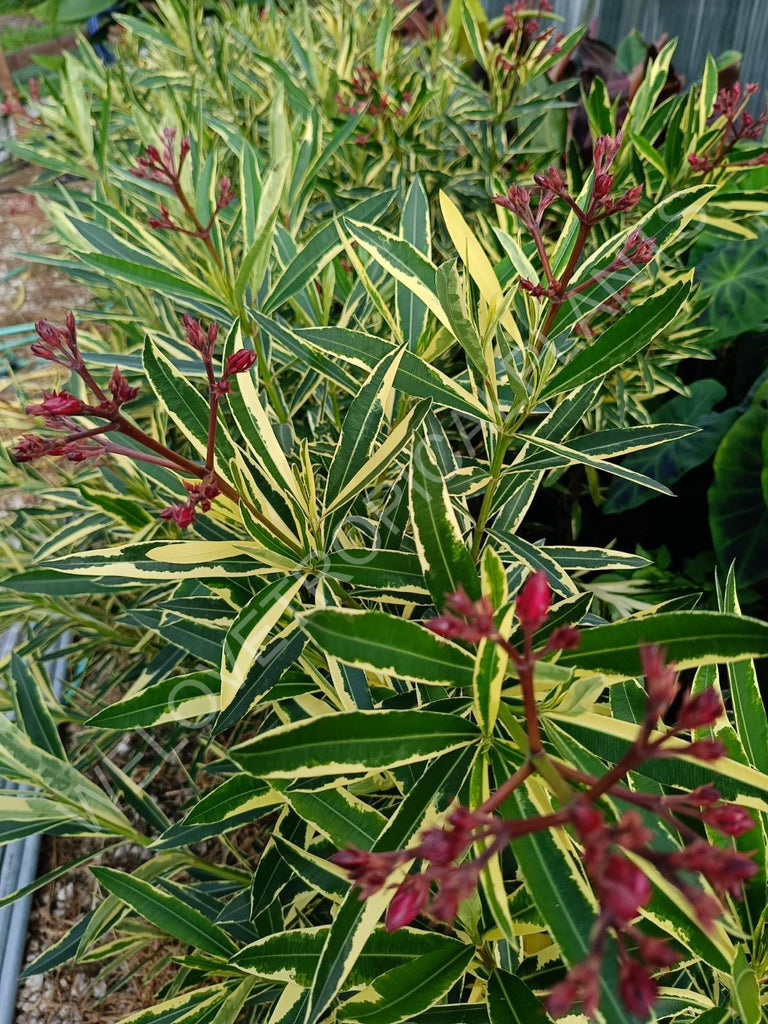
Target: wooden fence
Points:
x,y
702,26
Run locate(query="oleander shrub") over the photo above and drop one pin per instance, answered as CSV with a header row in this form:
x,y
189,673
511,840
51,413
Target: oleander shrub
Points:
x,y
360,303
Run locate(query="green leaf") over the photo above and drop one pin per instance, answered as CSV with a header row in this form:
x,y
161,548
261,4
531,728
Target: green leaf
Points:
x,y
33,711
691,639
490,673
745,991
235,803
510,1001
263,674
415,228
355,918
389,645
320,249
21,761
244,642
178,698
622,340
737,292
339,815
414,376
748,706
451,294
444,557
166,912
162,282
292,956
407,990
376,568
372,740
404,262
738,509
361,426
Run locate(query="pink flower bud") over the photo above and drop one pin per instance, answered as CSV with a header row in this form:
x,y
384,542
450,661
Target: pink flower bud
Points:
x,y
587,819
703,709
454,887
48,333
564,638
532,604
57,404
623,889
29,447
704,750
637,989
730,819
581,985
182,515
240,361
562,999
407,903
656,952
660,678
121,390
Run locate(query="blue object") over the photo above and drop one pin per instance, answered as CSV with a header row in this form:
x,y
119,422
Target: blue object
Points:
x,y
94,29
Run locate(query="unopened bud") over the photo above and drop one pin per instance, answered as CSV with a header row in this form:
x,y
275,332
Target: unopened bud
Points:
x,y
240,361
532,604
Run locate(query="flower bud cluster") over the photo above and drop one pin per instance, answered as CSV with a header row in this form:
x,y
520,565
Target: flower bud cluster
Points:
x,y
551,185
76,442
162,166
370,98
614,847
740,125
201,494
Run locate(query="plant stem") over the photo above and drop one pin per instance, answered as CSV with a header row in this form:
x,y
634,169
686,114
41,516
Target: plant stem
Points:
x,y
506,788
554,309
502,444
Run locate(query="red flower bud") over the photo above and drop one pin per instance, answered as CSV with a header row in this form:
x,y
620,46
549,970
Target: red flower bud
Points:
x,y
407,903
704,750
623,889
29,447
57,404
240,361
703,709
730,819
637,988
581,985
532,602
660,678
182,515
121,390
564,638
656,952
455,886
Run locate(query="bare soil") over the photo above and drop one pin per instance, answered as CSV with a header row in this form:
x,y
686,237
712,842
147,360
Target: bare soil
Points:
x,y
39,291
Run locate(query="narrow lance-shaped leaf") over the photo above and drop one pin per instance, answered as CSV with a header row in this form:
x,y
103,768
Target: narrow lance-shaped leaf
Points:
x,y
416,229
625,338
167,912
409,989
404,262
691,639
389,645
361,426
33,711
356,919
247,634
353,742
445,558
